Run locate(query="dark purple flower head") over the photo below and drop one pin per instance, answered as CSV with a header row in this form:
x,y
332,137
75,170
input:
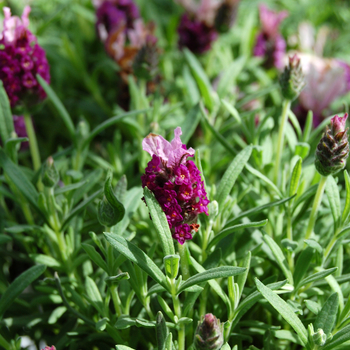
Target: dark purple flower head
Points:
x,y
176,183
196,35
113,14
270,43
21,58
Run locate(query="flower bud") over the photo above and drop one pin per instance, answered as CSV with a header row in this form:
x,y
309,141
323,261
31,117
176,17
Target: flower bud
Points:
x,y
49,348
50,174
319,337
209,334
226,15
292,79
146,60
333,148
110,210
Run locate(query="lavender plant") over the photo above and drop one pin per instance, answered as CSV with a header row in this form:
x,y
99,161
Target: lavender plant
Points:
x,y
233,235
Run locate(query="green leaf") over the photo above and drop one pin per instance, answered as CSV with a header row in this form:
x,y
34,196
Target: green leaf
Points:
x,y
313,306
56,314
317,276
231,175
94,294
95,256
164,305
19,285
6,119
45,260
338,338
120,188
279,256
242,278
267,181
346,210
109,122
284,310
258,210
201,78
161,331
190,123
160,222
171,265
308,126
232,110
218,136
215,285
80,207
294,180
58,105
123,347
334,200
17,177
227,231
302,264
137,256
218,272
229,76
326,317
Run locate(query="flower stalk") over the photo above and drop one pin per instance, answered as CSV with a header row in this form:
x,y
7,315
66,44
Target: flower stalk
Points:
x,y
33,144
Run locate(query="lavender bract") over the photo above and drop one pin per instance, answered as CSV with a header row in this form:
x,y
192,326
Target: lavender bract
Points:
x,y
270,43
20,129
176,183
21,58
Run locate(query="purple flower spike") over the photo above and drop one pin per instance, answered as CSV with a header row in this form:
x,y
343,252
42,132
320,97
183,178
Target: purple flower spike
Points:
x,y
21,59
338,123
176,183
270,43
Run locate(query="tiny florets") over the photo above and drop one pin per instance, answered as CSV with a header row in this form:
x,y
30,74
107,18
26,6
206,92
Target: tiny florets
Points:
x,y
176,184
21,58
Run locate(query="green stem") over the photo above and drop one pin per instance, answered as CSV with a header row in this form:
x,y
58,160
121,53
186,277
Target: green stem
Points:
x,y
280,143
290,236
185,267
329,247
177,311
33,144
317,202
116,300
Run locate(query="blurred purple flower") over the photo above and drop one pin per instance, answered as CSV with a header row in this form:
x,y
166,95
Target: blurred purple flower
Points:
x,y
113,14
49,348
20,129
270,43
196,29
21,58
176,183
326,79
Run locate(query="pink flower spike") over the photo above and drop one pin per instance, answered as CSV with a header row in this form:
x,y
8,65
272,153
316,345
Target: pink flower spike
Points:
x,y
270,20
338,123
171,153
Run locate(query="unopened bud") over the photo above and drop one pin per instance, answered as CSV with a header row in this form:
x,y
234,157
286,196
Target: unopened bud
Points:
x,y
292,79
226,15
49,173
319,337
333,148
110,210
145,64
209,334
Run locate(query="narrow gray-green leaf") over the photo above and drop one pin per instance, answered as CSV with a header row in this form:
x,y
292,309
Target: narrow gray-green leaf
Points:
x,y
280,258
161,331
227,231
231,174
58,105
95,256
334,200
218,272
160,222
294,180
137,256
317,276
17,177
302,264
328,314
190,123
6,119
346,210
338,338
284,310
233,111
201,78
19,285
267,181
241,279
